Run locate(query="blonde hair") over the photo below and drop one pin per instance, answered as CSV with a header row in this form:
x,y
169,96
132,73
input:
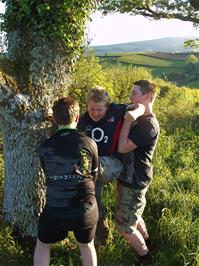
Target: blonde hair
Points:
x,y
99,94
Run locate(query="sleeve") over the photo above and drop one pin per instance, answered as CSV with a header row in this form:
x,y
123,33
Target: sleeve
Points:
x,y
142,133
120,109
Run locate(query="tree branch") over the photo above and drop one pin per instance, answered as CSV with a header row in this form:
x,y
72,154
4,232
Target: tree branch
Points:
x,y
184,10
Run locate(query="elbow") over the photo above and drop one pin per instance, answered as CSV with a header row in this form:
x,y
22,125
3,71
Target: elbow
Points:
x,y
121,149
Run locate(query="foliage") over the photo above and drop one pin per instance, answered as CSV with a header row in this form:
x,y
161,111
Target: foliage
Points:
x,y
192,64
123,78
50,20
193,44
87,73
155,9
191,59
12,253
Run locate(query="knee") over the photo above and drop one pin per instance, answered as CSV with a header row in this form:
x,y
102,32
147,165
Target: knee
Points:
x,y
86,245
41,244
126,234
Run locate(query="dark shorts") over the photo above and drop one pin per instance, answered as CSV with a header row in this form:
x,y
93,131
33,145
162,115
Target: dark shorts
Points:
x,y
82,221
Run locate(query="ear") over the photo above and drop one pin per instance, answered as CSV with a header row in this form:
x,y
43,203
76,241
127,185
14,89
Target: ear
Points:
x,y
148,97
77,118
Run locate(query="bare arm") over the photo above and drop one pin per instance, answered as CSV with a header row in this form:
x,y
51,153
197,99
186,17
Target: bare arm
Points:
x,y
125,144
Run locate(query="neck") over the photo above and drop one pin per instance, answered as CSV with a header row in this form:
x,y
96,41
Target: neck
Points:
x,y
148,110
73,125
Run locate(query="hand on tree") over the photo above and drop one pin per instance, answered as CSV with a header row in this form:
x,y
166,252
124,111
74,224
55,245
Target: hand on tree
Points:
x,y
48,114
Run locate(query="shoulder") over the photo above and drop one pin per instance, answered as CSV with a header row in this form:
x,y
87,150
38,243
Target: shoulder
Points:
x,y
48,141
152,122
88,142
86,139
148,125
148,120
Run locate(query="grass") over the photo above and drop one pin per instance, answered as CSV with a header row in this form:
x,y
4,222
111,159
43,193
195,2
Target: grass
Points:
x,y
144,60
193,84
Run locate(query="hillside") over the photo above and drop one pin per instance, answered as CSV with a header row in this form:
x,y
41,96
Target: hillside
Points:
x,y
168,66
172,44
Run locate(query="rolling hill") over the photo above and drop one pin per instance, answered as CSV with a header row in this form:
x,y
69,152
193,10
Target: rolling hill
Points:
x,y
172,44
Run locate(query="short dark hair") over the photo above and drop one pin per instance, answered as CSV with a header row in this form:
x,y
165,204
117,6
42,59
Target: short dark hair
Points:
x,y
65,110
146,87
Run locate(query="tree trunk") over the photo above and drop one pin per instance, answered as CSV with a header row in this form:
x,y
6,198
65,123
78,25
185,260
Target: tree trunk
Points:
x,y
24,193
25,89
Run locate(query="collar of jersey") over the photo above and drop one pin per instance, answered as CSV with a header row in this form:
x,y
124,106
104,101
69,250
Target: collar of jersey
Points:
x,y
66,127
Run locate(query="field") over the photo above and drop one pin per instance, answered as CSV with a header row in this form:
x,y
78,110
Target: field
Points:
x,y
172,211
169,66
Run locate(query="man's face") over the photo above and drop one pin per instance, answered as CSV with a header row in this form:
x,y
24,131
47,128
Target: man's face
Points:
x,y
96,110
136,95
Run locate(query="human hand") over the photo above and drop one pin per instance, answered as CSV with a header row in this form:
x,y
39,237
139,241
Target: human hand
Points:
x,y
133,115
48,114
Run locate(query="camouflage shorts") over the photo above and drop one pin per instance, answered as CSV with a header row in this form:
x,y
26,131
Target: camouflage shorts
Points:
x,y
129,207
110,168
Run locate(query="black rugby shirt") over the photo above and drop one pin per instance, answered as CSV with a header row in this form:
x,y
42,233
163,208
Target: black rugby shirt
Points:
x,y
105,132
70,163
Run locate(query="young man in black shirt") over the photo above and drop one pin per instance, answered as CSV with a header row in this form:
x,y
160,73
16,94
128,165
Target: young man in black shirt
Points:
x,y
70,163
138,139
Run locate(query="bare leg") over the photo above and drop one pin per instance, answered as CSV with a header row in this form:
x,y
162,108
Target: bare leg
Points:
x,y
98,193
141,226
42,254
88,254
137,241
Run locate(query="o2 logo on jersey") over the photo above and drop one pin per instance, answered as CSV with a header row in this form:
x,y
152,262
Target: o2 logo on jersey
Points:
x,y
97,135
